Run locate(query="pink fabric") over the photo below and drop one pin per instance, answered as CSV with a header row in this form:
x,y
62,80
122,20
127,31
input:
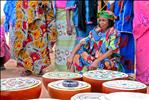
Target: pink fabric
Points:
x,y
61,4
4,49
141,34
2,42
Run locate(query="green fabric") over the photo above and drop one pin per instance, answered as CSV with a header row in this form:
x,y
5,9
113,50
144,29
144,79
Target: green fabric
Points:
x,y
65,43
61,68
106,14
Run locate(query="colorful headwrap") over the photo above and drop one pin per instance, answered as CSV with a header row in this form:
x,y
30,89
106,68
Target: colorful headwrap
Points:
x,y
106,14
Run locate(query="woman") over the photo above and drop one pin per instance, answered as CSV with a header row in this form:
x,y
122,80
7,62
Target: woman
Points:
x,y
34,25
65,41
141,34
99,49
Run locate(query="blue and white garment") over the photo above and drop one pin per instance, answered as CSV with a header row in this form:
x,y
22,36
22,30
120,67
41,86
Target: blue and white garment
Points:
x,y
124,24
123,10
9,10
10,20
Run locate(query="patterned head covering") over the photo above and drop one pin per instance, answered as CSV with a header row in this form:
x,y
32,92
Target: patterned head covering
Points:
x,y
106,14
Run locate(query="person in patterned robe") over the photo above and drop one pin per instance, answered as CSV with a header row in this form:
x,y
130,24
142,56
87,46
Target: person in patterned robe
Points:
x,y
34,28
99,50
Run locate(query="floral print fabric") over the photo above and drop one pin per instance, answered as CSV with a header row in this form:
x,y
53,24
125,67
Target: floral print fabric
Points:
x,y
34,29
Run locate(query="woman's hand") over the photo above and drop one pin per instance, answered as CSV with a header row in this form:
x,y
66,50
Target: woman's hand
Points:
x,y
69,63
94,65
69,29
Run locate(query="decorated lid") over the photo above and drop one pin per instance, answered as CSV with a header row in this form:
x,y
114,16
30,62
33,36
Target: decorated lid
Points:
x,y
61,75
124,85
104,74
126,96
18,83
87,96
59,85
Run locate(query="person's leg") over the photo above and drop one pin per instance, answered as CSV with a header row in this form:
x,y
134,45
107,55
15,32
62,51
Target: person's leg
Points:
x,y
22,70
26,73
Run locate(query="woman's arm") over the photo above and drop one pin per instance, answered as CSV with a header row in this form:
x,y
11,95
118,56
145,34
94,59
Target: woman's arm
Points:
x,y
105,55
94,65
70,59
76,49
70,6
68,16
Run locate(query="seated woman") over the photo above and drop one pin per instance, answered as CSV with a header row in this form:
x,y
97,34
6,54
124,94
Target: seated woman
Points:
x,y
99,50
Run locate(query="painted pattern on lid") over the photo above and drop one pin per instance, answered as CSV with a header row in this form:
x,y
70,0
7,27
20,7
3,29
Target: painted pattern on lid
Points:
x,y
17,83
124,84
62,75
87,96
104,74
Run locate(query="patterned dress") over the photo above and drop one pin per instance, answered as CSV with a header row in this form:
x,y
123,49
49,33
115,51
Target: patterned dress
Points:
x,y
33,31
65,43
95,45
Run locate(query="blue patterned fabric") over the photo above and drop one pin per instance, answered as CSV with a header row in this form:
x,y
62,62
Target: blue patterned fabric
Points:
x,y
123,9
9,10
124,24
127,51
94,46
73,4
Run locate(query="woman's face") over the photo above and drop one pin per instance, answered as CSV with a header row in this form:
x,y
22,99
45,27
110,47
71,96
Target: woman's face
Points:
x,y
103,23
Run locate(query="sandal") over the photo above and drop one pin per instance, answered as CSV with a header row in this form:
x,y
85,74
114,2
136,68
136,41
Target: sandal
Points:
x,y
41,73
26,73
